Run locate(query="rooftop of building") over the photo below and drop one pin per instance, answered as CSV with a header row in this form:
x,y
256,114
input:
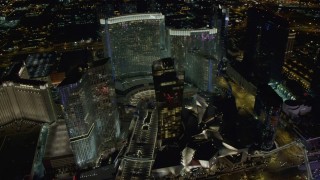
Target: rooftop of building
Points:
x,y
41,65
184,22
17,151
71,79
20,81
135,17
169,156
237,130
243,132
12,74
207,149
269,96
74,64
30,82
71,60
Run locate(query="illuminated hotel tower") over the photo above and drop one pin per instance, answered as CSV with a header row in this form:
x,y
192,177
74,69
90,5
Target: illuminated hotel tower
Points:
x,y
195,52
168,85
27,100
91,115
23,99
290,43
133,42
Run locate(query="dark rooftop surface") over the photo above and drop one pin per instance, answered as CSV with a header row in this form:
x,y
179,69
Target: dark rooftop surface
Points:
x,y
73,64
169,156
184,22
269,96
75,77
70,61
12,74
247,131
238,131
190,122
30,82
17,152
207,149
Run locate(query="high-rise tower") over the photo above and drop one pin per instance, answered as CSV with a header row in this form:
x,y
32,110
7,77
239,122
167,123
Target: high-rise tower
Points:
x,y
195,52
91,115
290,43
267,107
133,42
266,42
168,85
24,99
220,21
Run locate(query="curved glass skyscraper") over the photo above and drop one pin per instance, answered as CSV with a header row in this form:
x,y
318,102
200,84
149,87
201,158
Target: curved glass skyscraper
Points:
x,y
91,113
195,52
133,42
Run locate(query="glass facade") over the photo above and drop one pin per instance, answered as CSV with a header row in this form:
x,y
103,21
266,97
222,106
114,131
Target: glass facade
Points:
x,y
91,114
85,148
220,21
134,42
102,93
79,121
195,52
